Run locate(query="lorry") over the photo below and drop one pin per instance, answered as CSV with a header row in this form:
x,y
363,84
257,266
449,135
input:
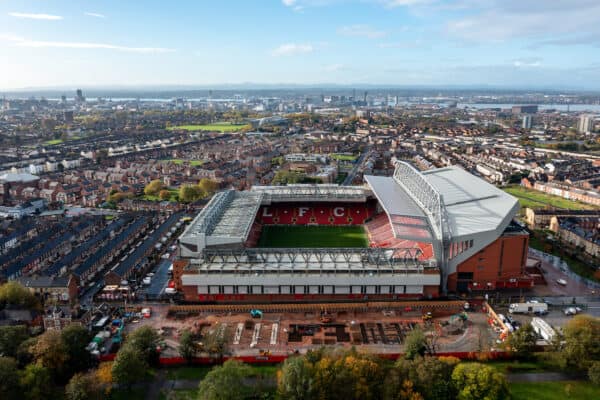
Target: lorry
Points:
x,y
527,308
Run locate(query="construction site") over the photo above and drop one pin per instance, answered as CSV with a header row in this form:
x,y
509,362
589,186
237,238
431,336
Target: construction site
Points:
x,y
282,329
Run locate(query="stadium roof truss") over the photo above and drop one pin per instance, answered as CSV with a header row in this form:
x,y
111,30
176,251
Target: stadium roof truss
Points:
x,y
318,192
343,260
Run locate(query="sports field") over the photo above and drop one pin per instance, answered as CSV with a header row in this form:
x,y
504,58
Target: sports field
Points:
x,y
313,236
535,199
216,127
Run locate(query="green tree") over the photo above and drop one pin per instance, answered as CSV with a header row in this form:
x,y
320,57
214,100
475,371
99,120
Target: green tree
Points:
x,y
415,344
9,379
10,339
146,341
226,382
14,294
296,381
75,339
580,347
83,387
36,379
187,347
523,341
154,187
594,373
477,381
129,366
215,342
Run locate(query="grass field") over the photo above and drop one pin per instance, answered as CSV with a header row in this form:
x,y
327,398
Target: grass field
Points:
x,y
53,142
219,127
313,236
174,196
344,157
536,199
576,390
180,161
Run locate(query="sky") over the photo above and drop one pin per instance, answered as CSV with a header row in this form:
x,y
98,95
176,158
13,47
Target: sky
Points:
x,y
500,43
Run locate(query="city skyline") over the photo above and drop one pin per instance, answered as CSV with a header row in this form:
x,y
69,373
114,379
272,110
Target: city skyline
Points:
x,y
305,42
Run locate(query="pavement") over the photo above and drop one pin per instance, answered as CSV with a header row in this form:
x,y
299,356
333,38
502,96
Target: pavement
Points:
x,y
542,377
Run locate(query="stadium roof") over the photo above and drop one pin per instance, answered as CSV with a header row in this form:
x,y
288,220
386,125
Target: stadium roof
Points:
x,y
228,214
307,192
468,205
472,204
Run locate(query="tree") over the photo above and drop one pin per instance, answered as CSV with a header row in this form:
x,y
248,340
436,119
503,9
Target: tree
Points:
x,y
104,376
10,339
215,342
187,347
415,344
50,352
154,187
226,382
129,366
421,372
295,382
208,186
9,379
594,373
146,341
523,341
478,381
75,339
164,194
14,294
36,378
189,193
83,387
580,348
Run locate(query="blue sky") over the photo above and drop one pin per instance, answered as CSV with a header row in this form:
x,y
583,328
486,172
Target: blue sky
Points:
x,y
514,43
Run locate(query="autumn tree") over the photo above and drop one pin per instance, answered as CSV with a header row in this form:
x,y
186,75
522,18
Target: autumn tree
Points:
x,y
164,194
226,382
104,376
208,186
84,387
50,352
9,379
478,381
190,193
154,187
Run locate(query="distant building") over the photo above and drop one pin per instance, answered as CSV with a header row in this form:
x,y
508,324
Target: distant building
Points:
x,y
68,116
527,109
585,124
79,96
527,121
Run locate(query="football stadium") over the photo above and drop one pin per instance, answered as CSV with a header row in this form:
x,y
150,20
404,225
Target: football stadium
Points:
x,y
414,235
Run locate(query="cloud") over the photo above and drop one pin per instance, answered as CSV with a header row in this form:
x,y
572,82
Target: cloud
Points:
x,y
501,20
22,42
92,14
361,30
290,49
288,3
406,3
400,45
334,67
47,17
527,62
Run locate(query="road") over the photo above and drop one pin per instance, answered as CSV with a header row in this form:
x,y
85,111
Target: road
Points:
x,y
359,162
159,280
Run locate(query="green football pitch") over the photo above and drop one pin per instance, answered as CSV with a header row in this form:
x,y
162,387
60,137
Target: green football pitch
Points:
x,y
313,236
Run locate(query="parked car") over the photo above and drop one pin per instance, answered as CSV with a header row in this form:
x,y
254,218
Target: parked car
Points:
x,y
572,310
561,281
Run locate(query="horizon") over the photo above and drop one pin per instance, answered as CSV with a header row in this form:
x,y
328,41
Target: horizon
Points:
x,y
317,43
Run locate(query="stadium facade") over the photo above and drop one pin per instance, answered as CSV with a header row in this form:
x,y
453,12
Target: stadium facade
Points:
x,y
429,233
